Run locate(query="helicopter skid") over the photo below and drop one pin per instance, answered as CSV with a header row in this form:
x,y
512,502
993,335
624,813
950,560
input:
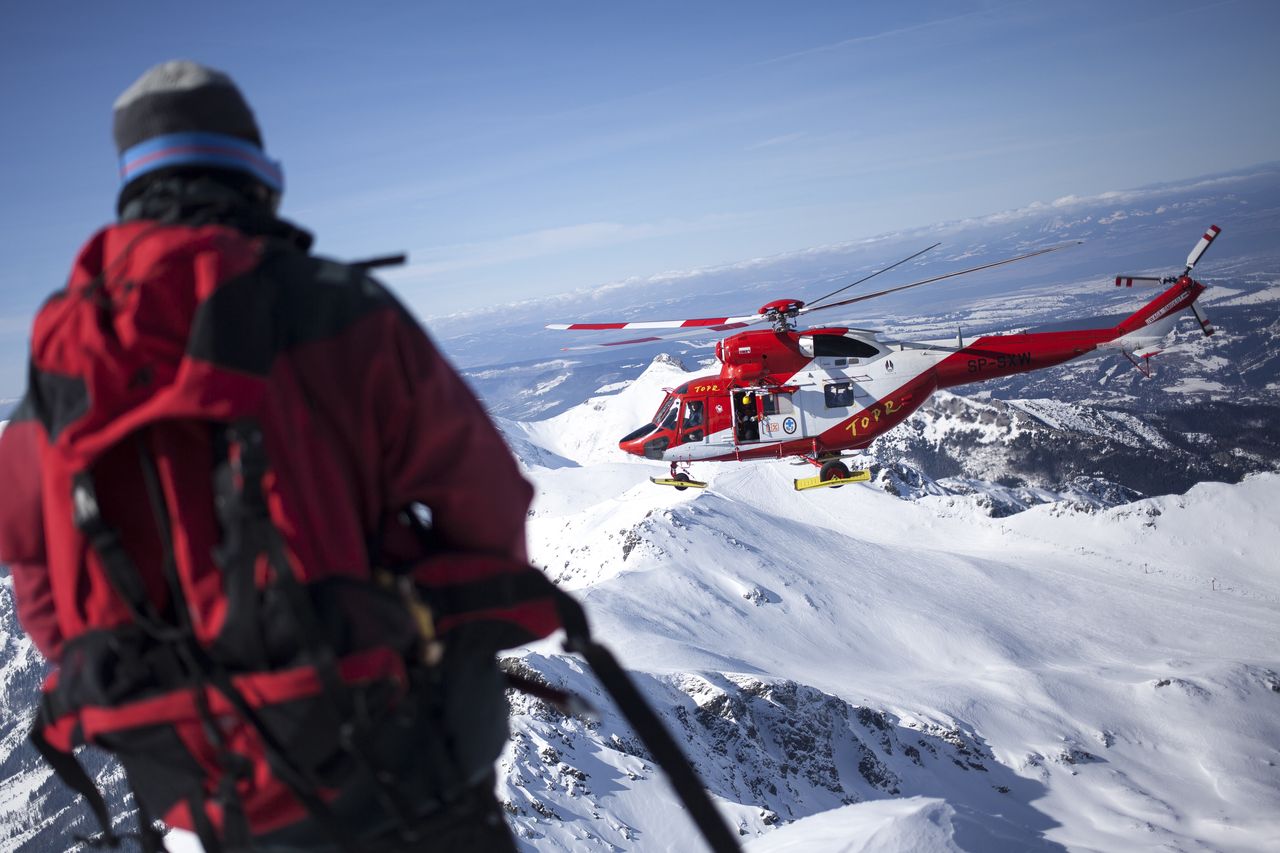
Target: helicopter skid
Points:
x,y
677,483
818,483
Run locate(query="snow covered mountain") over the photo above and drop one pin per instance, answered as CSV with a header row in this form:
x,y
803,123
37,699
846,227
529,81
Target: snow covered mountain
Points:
x,y
1051,621
1066,677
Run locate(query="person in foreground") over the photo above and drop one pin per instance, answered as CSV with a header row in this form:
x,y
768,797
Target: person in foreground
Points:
x,y
263,532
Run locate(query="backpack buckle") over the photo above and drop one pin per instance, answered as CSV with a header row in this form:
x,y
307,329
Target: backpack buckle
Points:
x,y
85,513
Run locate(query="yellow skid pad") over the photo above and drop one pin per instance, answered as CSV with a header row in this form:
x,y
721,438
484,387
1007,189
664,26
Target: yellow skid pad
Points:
x,y
679,484
816,482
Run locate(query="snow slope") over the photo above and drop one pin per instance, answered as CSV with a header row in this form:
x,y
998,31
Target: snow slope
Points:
x,y
1101,680
851,671
917,824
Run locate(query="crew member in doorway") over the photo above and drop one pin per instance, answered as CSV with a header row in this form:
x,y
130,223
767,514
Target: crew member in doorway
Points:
x,y
745,416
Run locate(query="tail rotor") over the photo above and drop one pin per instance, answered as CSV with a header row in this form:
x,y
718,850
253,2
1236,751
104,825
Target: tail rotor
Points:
x,y
1192,259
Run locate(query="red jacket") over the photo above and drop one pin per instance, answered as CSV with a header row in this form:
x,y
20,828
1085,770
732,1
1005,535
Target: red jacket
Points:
x,y
362,416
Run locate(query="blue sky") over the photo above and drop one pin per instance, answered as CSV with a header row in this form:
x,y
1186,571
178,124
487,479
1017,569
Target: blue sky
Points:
x,y
523,149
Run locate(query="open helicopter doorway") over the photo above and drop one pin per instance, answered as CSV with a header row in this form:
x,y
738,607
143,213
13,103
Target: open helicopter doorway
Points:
x,y
746,416
765,414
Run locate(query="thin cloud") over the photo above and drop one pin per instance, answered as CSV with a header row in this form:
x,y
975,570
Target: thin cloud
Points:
x,y
546,242
601,292
522,247
734,71
871,37
777,140
1118,197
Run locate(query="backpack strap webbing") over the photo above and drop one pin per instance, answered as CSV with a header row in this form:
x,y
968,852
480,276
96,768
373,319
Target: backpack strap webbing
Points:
x,y
151,839
250,532
124,577
74,777
117,565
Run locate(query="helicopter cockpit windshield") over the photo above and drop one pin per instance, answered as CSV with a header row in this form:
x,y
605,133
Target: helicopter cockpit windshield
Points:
x,y
663,422
666,416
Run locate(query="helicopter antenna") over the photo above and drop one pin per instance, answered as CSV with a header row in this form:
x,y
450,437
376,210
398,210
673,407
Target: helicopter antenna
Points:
x,y
874,274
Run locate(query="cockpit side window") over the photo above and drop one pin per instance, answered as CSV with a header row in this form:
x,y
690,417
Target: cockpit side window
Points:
x,y
691,425
666,412
669,419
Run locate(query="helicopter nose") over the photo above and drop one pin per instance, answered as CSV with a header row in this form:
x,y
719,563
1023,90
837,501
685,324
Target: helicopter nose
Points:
x,y
644,442
635,446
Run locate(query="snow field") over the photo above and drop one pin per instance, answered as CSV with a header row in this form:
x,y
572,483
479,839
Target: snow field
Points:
x,y
1120,667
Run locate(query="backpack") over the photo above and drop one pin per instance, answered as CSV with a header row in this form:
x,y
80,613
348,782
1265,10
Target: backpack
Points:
x,y
233,635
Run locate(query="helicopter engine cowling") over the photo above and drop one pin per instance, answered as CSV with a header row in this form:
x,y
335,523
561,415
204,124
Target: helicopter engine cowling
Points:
x,y
745,373
750,356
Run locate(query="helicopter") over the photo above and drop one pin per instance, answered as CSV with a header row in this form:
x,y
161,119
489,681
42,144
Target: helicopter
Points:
x,y
820,393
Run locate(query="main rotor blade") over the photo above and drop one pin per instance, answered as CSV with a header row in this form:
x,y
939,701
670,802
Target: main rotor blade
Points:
x,y
867,296
814,302
678,335
712,323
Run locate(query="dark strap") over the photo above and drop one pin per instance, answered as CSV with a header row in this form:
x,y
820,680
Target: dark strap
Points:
x,y
118,566
151,839
240,639
210,841
74,777
653,734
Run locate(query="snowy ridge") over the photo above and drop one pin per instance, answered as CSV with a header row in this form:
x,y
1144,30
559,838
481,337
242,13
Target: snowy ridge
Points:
x,y
588,433
1077,652
1270,294
985,666
1067,416
770,752
1110,660
916,823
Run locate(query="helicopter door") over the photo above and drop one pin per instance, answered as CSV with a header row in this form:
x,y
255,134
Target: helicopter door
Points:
x,y
693,421
746,417
779,420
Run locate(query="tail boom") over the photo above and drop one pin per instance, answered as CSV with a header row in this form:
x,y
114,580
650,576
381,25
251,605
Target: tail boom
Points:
x,y
993,356
1182,295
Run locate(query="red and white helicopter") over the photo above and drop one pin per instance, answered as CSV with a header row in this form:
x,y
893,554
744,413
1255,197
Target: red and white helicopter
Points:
x,y
817,393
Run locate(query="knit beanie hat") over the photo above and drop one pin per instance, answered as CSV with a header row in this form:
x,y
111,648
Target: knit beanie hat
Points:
x,y
181,114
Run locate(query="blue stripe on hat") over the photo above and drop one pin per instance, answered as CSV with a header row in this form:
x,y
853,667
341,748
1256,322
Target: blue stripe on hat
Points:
x,y
200,149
